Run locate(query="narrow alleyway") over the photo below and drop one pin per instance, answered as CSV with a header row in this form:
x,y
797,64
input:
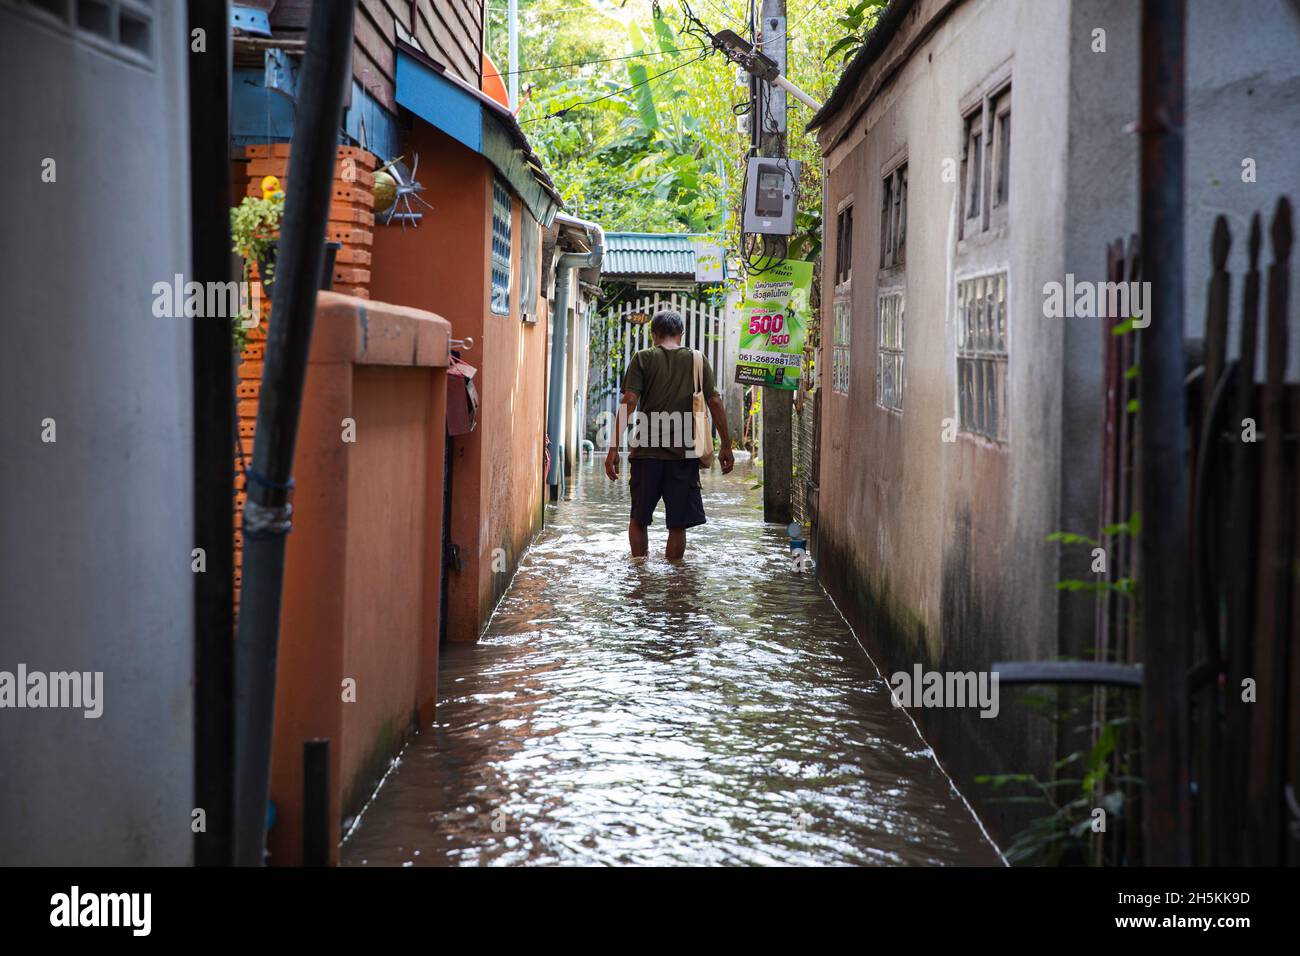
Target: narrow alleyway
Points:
x,y
714,712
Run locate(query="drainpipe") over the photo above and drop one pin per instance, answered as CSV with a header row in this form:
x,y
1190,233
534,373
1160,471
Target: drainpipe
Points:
x,y
1167,821
565,263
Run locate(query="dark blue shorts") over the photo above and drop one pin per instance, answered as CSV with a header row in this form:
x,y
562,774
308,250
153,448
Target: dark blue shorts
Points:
x,y
677,482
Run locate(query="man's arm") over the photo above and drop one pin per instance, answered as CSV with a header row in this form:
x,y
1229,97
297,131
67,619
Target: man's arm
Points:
x,y
726,460
626,405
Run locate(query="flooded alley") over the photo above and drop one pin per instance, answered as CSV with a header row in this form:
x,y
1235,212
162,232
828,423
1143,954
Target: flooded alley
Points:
x,y
716,711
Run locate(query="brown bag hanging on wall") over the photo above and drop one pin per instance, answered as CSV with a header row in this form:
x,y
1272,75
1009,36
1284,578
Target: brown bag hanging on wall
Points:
x,y
700,415
462,398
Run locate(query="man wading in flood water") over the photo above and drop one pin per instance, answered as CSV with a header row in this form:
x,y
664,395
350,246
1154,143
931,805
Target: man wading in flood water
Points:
x,y
659,384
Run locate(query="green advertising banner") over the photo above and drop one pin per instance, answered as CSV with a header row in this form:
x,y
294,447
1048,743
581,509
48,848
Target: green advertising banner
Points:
x,y
773,319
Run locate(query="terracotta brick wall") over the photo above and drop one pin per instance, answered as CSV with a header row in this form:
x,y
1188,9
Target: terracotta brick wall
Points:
x,y
350,223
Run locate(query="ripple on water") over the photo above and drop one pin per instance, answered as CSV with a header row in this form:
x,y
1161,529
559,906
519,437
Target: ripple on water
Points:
x,y
716,711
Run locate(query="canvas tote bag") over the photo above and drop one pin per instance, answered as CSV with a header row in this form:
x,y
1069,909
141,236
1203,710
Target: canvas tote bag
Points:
x,y
700,415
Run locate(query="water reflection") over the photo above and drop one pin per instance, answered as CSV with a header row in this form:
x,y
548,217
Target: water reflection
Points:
x,y
715,710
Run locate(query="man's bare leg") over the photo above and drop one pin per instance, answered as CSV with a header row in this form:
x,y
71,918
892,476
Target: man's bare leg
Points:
x,y
639,539
676,544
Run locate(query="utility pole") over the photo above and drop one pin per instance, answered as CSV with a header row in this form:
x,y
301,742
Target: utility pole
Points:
x,y
512,14
770,133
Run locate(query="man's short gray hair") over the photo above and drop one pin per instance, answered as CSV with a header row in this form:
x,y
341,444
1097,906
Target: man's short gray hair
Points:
x,y
667,323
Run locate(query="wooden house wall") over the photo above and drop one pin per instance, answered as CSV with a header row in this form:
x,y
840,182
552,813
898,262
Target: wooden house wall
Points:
x,y
449,31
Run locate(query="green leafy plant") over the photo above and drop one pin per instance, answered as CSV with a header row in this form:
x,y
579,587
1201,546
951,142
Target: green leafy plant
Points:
x,y
858,20
806,243
254,228
1123,586
1084,782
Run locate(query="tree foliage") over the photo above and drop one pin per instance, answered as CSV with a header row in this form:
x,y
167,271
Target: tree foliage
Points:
x,y
651,143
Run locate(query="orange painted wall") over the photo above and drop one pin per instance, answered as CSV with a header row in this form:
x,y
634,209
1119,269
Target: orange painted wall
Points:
x,y
390,495
309,671
364,559
444,265
513,426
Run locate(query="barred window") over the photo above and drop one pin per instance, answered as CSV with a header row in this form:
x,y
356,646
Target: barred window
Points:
x,y
972,174
844,245
841,345
121,28
986,163
501,208
1001,145
889,352
982,356
893,218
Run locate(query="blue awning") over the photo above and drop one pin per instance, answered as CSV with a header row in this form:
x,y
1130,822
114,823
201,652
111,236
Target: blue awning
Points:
x,y
478,122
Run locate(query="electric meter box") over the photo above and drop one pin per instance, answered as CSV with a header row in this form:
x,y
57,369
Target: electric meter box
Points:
x,y
771,195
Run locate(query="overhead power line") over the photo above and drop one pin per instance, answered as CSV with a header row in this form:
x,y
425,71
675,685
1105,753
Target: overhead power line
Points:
x,y
607,59
626,89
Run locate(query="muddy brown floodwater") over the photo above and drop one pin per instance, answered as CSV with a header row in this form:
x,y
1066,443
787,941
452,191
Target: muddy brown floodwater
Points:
x,y
715,711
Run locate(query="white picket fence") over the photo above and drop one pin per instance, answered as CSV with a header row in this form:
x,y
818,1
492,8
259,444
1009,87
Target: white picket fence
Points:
x,y
705,325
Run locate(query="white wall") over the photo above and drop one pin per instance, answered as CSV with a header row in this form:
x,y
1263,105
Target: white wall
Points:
x,y
916,510
1243,101
939,549
97,527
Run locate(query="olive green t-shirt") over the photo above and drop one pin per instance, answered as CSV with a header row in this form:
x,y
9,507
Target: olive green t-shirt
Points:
x,y
663,381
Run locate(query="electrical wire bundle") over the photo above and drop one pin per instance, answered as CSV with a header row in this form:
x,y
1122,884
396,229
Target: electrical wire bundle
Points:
x,y
758,253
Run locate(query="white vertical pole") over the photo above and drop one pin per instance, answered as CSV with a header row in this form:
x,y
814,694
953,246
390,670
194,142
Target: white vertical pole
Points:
x,y
715,347
512,13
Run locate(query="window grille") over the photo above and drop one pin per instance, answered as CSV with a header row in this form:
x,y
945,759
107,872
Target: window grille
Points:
x,y
501,208
889,352
982,356
841,345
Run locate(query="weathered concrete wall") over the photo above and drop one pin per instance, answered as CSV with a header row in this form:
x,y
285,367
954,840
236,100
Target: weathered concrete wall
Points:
x,y
937,549
97,525
934,549
1243,87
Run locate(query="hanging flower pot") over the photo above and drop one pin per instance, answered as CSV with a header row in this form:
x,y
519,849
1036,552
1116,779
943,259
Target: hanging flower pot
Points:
x,y
255,234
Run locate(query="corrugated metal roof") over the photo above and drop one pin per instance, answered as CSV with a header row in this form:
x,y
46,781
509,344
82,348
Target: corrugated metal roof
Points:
x,y
649,254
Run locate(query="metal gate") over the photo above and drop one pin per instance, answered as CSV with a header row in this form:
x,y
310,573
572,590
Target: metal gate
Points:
x,y
626,330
